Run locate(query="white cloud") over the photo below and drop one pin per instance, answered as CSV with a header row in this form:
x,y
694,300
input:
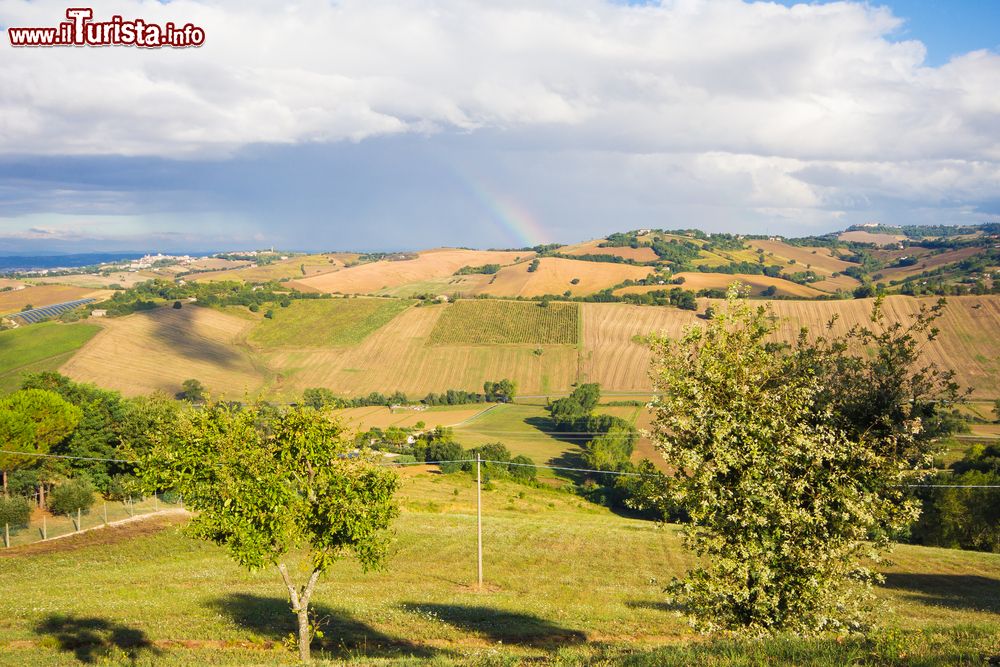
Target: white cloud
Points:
x,y
812,106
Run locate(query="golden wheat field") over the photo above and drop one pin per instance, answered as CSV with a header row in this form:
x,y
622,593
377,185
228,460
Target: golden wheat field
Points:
x,y
399,356
97,281
968,342
555,275
37,296
429,265
927,262
640,254
859,236
696,280
157,350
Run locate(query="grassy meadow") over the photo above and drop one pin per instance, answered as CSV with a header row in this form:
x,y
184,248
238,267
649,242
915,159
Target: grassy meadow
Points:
x,y
325,322
567,583
39,347
494,322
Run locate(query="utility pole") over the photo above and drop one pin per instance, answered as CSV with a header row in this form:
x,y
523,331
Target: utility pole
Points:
x,y
479,513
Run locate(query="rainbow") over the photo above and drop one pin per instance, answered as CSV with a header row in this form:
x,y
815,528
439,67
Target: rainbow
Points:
x,y
507,214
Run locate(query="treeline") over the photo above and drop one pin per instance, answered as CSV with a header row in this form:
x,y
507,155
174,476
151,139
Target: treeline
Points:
x,y
153,293
439,446
95,429
494,391
487,269
963,518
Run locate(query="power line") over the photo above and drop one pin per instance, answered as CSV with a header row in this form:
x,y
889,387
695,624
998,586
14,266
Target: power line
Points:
x,y
63,456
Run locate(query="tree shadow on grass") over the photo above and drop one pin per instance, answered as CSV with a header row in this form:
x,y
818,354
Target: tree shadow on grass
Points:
x,y
955,591
91,639
656,605
500,625
272,617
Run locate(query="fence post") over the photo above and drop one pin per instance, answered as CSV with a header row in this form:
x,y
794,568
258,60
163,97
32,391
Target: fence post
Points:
x,y
156,503
45,527
6,535
78,515
479,518
105,512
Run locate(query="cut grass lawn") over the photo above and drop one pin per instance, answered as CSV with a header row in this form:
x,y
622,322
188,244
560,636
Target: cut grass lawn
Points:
x,y
568,582
496,322
39,347
326,322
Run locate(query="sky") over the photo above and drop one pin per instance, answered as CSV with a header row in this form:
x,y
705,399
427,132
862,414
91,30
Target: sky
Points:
x,y
378,125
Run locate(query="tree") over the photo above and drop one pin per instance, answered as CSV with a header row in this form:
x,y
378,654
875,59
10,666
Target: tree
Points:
x,y
192,390
72,498
565,412
31,422
786,489
501,391
268,483
318,397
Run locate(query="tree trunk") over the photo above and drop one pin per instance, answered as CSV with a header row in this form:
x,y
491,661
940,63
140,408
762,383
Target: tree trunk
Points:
x,y
5,483
300,606
303,616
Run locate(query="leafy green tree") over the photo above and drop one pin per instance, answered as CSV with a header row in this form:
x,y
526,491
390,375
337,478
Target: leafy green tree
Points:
x,y
963,518
523,471
31,422
500,391
565,412
192,390
267,484
72,498
785,494
318,397
611,450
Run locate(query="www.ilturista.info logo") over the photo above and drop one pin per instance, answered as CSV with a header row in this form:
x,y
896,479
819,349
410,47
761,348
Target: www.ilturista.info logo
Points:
x,y
81,30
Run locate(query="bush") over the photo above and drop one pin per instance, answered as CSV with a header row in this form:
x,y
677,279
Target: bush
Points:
x,y
124,487
523,472
177,305
70,497
14,511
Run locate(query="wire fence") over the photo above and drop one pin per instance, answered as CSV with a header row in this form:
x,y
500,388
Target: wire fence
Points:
x,y
44,525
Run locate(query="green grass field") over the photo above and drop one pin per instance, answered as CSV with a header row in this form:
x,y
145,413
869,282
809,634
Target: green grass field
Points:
x,y
39,347
326,322
493,322
567,583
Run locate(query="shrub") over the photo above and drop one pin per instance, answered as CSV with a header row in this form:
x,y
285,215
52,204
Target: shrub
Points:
x,y
124,487
70,497
177,305
14,511
523,472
